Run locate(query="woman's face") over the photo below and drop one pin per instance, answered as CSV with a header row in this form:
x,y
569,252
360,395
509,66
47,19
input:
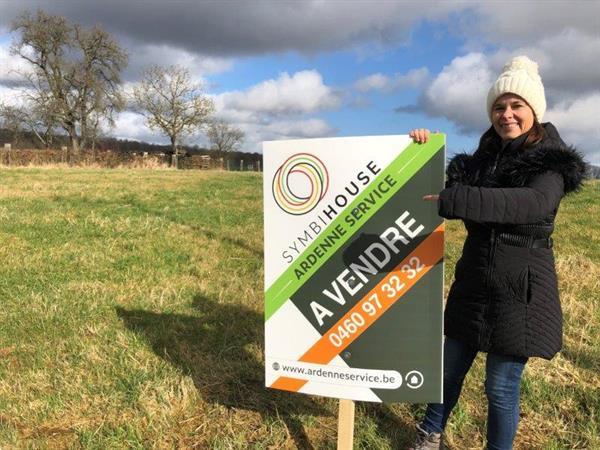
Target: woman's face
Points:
x,y
511,116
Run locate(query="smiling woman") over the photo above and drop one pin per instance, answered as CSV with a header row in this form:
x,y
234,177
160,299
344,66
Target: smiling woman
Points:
x,y
504,300
512,116
516,102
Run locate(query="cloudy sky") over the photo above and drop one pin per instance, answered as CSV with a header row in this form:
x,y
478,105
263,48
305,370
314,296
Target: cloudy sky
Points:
x,y
297,69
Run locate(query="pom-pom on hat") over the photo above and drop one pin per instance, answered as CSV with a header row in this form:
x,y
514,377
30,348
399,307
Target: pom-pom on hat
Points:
x,y
520,76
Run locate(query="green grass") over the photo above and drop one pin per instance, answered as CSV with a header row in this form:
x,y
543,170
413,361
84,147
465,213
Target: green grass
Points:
x,y
132,315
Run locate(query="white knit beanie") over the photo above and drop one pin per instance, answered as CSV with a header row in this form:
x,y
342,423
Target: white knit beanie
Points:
x,y
520,76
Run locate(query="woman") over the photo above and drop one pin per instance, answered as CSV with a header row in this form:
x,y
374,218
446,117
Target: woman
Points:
x,y
504,300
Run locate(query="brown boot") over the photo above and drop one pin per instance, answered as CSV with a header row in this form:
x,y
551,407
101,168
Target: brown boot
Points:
x,y
427,441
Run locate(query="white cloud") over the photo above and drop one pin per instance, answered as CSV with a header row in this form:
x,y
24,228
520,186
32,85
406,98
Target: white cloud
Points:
x,y
289,129
459,93
256,112
9,96
303,92
284,129
130,125
380,82
238,116
278,108
518,23
577,123
143,56
11,67
374,82
561,36
568,62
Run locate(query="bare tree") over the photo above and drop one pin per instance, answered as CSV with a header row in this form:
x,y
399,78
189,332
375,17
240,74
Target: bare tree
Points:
x,y
75,72
172,103
28,117
12,119
224,137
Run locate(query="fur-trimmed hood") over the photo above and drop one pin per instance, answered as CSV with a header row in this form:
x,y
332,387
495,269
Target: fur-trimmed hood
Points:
x,y
510,166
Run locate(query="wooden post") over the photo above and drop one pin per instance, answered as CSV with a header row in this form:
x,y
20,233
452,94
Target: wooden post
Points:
x,y
8,153
258,162
241,165
346,425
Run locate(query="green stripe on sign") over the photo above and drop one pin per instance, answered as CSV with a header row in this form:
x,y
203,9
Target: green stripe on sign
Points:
x,y
409,162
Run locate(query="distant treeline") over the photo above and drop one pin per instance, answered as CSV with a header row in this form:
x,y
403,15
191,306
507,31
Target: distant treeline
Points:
x,y
27,140
594,171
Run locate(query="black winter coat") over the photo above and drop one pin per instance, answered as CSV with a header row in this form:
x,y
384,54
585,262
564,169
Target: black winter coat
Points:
x,y
504,299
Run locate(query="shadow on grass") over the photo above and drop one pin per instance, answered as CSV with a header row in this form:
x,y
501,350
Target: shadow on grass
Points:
x,y
213,349
587,360
232,241
399,431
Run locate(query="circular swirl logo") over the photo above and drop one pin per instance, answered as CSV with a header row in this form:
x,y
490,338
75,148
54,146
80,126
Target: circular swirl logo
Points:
x,y
300,183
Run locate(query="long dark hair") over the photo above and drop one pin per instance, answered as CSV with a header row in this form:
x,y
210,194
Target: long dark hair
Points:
x,y
535,134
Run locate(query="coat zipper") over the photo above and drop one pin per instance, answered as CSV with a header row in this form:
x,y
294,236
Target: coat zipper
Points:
x,y
488,334
492,252
495,163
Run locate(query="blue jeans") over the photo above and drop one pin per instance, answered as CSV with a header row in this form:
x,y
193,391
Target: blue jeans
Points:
x,y
502,388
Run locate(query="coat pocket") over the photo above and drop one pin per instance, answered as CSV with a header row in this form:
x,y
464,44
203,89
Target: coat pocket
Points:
x,y
518,285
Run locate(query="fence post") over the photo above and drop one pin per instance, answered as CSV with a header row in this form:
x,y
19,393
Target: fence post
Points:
x,y
258,165
7,148
241,165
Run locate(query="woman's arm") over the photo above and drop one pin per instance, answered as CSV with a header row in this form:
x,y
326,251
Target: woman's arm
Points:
x,y
518,205
421,136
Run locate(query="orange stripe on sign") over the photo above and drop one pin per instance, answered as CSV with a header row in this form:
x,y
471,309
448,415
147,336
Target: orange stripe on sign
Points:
x,y
288,384
373,305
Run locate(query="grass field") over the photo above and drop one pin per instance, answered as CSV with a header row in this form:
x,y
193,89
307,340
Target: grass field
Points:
x,y
131,317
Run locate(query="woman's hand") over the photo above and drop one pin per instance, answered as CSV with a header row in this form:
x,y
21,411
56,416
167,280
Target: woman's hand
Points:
x,y
419,135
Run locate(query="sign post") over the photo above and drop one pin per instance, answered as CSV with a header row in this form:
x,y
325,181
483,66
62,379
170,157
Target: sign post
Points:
x,y
354,269
345,425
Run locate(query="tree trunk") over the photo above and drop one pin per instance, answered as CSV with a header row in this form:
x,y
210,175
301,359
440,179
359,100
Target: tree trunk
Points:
x,y
175,156
74,144
74,157
174,144
83,137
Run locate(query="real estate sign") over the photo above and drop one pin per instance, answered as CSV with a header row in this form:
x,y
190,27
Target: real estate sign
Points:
x,y
354,267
